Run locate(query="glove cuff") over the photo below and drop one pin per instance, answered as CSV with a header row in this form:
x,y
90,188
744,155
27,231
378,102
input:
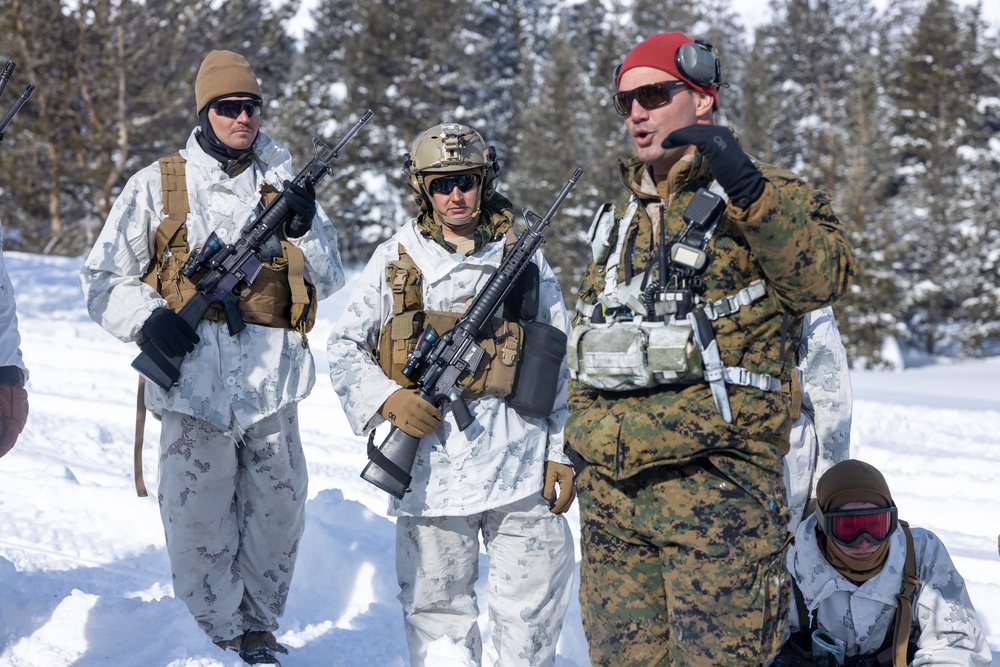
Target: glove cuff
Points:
x,y
10,375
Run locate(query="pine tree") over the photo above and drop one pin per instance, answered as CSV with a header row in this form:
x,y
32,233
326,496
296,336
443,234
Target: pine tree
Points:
x,y
936,127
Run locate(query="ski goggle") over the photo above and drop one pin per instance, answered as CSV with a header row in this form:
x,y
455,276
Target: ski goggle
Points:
x,y
233,108
445,184
650,96
849,527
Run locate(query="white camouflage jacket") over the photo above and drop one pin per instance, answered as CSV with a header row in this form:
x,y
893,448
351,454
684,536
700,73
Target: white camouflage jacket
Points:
x,y
246,377
821,435
500,458
948,630
10,338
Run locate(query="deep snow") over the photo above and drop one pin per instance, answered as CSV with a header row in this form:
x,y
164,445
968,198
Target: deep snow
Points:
x,y
85,581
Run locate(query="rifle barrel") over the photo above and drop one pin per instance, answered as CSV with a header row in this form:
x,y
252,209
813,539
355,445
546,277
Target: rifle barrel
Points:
x,y
8,71
365,117
18,103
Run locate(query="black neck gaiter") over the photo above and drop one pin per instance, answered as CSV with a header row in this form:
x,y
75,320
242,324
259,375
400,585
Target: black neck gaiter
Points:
x,y
211,144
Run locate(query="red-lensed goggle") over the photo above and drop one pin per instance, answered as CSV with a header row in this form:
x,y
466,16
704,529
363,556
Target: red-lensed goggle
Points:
x,y
849,527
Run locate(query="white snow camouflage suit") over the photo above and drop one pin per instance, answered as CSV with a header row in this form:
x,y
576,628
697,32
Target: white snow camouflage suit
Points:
x,y
232,479
486,479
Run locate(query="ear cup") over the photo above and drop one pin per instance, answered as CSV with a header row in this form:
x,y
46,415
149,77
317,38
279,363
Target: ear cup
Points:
x,y
697,62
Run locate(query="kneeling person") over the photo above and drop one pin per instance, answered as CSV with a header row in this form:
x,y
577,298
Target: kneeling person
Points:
x,y
868,586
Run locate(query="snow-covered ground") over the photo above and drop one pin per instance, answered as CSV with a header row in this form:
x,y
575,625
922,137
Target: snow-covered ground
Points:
x,y
85,581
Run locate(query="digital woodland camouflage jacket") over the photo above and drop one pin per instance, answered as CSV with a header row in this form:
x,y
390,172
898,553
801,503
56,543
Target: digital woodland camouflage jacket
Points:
x,y
254,374
948,631
789,237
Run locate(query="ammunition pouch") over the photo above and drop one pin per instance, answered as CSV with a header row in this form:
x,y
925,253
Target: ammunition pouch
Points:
x,y
495,377
623,356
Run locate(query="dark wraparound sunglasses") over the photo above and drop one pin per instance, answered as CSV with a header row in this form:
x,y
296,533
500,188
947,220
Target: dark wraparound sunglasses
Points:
x,y
233,108
445,184
650,96
849,527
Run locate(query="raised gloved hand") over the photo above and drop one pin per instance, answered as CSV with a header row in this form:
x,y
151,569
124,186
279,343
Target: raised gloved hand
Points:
x,y
731,167
170,333
302,200
561,474
13,407
411,413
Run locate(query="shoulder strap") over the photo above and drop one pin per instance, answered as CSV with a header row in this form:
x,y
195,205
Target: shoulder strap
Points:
x,y
904,601
171,233
173,179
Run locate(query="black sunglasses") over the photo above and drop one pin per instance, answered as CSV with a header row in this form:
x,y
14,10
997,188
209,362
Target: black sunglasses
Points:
x,y
650,96
445,184
233,108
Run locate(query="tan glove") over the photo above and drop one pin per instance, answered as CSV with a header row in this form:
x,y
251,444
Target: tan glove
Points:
x,y
13,414
561,474
411,413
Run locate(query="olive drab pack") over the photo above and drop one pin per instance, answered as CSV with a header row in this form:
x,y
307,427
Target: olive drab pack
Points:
x,y
280,297
400,334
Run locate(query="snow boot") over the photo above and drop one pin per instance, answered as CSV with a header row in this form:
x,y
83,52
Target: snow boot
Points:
x,y
260,648
231,644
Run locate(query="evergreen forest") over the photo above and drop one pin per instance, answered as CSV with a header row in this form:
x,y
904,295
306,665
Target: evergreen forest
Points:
x,y
891,107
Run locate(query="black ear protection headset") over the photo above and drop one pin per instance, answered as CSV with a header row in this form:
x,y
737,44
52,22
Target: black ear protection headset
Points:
x,y
697,62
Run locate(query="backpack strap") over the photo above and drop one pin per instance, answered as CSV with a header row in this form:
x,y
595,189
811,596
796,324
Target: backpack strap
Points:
x,y
904,601
171,233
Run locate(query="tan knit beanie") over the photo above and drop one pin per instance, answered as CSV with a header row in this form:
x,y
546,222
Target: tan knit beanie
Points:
x,y
852,481
224,73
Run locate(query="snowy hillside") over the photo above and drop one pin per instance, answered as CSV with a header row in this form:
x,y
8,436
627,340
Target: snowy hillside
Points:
x,y
84,578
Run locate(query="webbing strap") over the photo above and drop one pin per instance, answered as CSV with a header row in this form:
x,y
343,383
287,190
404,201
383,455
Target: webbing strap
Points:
x,y
140,429
296,271
740,376
904,601
173,180
730,304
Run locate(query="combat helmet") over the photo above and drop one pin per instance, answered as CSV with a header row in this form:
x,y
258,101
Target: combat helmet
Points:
x,y
444,148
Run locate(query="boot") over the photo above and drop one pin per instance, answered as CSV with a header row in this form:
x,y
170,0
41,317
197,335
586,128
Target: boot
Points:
x,y
258,647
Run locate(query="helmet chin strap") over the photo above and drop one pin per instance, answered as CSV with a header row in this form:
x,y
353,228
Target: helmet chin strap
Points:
x,y
456,223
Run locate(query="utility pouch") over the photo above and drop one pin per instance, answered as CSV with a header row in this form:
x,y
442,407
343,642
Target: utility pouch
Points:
x,y
825,649
622,356
534,392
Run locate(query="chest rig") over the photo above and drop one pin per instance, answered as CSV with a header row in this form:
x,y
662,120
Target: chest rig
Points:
x,y
401,333
523,357
643,334
280,296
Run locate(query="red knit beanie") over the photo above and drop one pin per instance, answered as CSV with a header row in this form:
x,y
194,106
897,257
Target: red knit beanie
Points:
x,y
660,52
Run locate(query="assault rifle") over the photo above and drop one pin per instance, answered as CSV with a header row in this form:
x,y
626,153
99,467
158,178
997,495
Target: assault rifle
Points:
x,y
231,267
8,71
439,362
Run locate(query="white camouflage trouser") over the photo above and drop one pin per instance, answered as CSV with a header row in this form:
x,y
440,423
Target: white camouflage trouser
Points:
x,y
531,563
233,513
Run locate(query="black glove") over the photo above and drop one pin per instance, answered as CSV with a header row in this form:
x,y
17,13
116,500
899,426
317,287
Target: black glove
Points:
x,y
170,332
731,167
302,200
